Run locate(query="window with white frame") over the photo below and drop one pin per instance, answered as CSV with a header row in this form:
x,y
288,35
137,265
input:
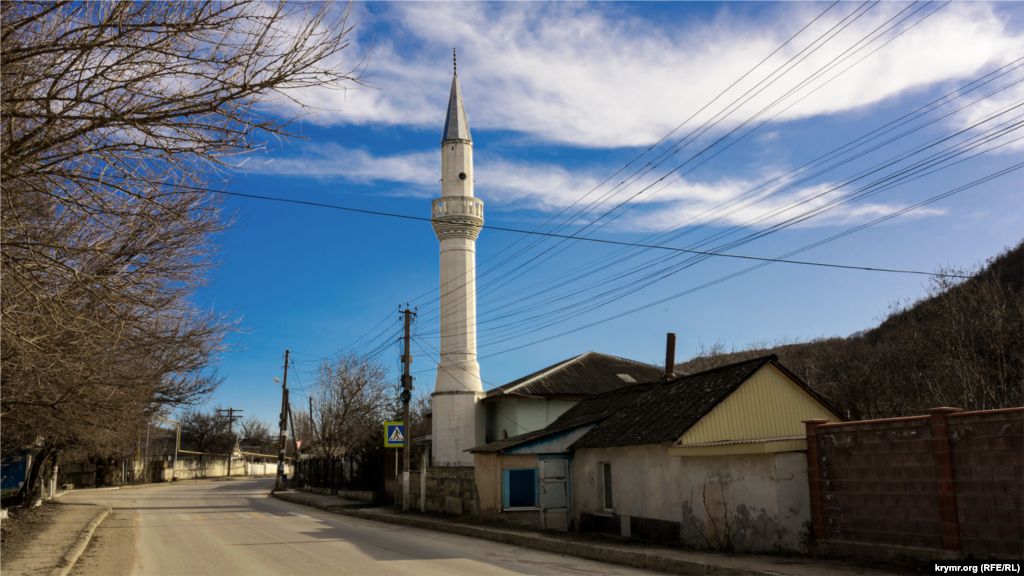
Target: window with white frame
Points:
x,y
606,484
519,488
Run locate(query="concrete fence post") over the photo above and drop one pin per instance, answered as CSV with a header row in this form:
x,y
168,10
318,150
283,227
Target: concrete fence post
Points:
x,y
423,482
814,480
944,476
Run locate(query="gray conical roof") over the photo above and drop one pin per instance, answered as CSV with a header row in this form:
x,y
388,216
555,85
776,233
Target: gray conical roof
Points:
x,y
456,127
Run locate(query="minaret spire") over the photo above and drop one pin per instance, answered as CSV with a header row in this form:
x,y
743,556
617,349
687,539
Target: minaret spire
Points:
x,y
456,125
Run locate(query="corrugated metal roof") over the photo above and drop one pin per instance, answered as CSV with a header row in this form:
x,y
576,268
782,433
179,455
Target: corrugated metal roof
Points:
x,y
667,409
588,373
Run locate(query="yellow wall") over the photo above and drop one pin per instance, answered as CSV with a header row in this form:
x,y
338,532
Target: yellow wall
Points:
x,y
487,471
768,405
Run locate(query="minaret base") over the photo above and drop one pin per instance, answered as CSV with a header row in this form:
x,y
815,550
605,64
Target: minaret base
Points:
x,y
458,424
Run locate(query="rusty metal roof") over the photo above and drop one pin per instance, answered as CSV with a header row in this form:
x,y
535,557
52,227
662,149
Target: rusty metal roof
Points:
x,y
665,410
588,373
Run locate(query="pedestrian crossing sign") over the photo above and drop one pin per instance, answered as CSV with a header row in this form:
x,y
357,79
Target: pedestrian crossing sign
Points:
x,y
394,434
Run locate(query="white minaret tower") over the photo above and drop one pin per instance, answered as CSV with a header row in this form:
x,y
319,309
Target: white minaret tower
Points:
x,y
457,217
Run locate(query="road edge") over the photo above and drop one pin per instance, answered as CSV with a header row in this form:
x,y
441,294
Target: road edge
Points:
x,y
632,558
67,562
159,484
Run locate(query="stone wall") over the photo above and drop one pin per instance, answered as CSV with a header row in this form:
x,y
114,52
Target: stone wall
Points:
x,y
987,452
450,490
946,484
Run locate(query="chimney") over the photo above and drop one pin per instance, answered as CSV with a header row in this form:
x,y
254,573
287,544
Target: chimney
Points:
x,y
670,356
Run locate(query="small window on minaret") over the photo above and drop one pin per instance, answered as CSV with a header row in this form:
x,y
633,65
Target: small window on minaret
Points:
x,y
462,175
504,434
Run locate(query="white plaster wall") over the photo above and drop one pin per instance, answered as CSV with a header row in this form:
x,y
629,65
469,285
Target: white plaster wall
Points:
x,y
458,368
536,413
748,503
521,415
645,482
456,157
501,416
457,426
794,500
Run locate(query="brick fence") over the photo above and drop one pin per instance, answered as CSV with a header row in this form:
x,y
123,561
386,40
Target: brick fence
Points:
x,y
949,481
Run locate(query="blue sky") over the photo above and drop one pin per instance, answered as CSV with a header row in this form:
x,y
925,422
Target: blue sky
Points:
x,y
562,96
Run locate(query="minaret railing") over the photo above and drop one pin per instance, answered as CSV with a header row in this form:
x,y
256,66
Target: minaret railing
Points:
x,y
457,217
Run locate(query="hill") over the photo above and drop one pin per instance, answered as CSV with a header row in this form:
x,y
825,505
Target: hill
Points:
x,y
961,345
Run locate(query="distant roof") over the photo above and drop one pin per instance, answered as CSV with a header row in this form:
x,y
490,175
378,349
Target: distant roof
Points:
x,y
590,410
456,125
665,410
588,373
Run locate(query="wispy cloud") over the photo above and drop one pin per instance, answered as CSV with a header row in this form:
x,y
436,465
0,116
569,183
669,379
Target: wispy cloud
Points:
x,y
331,162
620,80
547,188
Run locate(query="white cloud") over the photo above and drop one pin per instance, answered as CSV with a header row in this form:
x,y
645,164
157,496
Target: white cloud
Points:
x,y
328,162
507,185
595,76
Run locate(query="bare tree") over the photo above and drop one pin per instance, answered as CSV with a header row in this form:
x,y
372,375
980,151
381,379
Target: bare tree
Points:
x,y
203,431
255,432
352,398
116,119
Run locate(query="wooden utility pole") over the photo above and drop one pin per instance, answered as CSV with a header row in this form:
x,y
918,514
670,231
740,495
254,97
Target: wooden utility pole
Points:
x,y
406,396
283,425
295,431
231,433
312,422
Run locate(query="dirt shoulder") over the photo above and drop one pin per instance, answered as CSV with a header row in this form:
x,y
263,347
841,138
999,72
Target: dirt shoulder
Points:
x,y
22,526
48,538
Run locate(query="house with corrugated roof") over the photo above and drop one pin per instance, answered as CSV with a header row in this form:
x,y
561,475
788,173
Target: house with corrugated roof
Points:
x,y
536,400
527,479
715,459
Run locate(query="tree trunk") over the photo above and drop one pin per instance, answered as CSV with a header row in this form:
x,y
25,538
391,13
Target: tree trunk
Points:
x,y
31,490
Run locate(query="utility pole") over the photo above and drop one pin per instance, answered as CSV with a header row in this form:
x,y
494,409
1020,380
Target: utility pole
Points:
x,y
283,425
231,432
406,396
312,422
295,431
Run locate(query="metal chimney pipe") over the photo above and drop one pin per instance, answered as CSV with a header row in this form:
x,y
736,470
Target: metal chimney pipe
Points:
x,y
670,356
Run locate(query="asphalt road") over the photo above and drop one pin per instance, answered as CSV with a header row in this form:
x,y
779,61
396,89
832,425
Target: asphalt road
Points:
x,y
226,528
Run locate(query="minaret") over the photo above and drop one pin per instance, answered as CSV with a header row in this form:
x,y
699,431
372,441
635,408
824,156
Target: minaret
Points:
x,y
457,218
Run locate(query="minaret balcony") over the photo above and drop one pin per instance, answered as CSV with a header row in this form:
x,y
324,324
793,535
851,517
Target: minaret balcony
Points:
x,y
457,217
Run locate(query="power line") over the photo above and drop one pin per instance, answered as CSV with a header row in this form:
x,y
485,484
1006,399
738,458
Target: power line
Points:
x,y
568,237
706,126
888,182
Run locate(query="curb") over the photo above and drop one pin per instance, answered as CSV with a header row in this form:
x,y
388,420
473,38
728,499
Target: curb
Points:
x,y
632,558
336,508
72,556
